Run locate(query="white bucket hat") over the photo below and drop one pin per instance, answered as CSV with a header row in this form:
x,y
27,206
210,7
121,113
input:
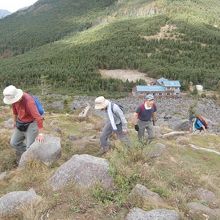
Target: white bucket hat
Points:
x,y
101,102
12,95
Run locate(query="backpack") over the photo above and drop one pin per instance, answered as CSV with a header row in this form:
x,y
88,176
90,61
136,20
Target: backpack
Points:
x,y
204,122
38,105
119,105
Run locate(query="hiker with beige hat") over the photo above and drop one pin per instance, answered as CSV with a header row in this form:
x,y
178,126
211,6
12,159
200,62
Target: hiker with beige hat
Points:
x,y
28,122
116,122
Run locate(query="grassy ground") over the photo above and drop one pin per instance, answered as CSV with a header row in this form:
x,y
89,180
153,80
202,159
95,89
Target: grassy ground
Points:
x,y
174,176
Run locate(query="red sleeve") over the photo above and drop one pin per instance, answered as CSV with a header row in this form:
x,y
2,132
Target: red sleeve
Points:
x,y
34,113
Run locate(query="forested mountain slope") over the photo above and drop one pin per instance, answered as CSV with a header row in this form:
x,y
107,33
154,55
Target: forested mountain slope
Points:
x,y
174,39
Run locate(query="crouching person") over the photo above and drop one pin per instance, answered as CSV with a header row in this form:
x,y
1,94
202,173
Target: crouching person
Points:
x,y
28,122
116,123
199,123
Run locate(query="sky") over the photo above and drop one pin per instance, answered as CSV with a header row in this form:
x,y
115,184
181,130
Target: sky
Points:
x,y
14,5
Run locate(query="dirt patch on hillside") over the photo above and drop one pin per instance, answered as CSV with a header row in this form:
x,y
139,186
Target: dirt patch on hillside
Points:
x,y
130,75
166,32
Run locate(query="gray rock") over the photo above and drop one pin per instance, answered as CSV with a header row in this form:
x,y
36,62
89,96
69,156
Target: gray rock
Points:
x,y
47,152
57,105
157,131
208,197
183,126
156,214
85,170
13,202
140,195
199,211
156,150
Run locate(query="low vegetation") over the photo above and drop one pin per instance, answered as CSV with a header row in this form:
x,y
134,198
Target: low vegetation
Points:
x,y
175,175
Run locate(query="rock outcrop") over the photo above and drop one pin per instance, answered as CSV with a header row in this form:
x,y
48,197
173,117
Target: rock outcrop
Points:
x,y
12,203
84,170
47,152
200,211
156,214
141,196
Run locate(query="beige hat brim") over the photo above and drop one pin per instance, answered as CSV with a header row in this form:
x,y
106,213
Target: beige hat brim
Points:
x,y
15,99
103,105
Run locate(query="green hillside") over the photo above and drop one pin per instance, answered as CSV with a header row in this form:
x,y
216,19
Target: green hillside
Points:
x,y
47,21
174,39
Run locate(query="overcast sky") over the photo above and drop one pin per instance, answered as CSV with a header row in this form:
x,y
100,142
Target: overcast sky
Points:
x,y
14,5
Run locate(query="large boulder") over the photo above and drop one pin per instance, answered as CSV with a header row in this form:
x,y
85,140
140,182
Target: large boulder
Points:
x,y
200,211
12,203
141,196
47,152
156,214
85,170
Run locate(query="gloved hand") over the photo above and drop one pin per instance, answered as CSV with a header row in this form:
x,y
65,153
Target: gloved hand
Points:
x,y
136,127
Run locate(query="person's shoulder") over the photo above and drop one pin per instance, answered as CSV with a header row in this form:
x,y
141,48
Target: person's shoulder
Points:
x,y
28,97
116,107
139,108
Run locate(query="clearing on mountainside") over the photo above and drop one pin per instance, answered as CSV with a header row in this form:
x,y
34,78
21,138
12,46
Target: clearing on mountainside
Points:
x,y
130,75
166,32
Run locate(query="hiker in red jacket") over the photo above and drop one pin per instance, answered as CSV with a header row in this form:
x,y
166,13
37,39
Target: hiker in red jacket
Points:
x,y
28,122
145,117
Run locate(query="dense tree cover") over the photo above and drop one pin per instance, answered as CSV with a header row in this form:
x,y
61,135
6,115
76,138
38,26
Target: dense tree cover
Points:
x,y
74,62
47,21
